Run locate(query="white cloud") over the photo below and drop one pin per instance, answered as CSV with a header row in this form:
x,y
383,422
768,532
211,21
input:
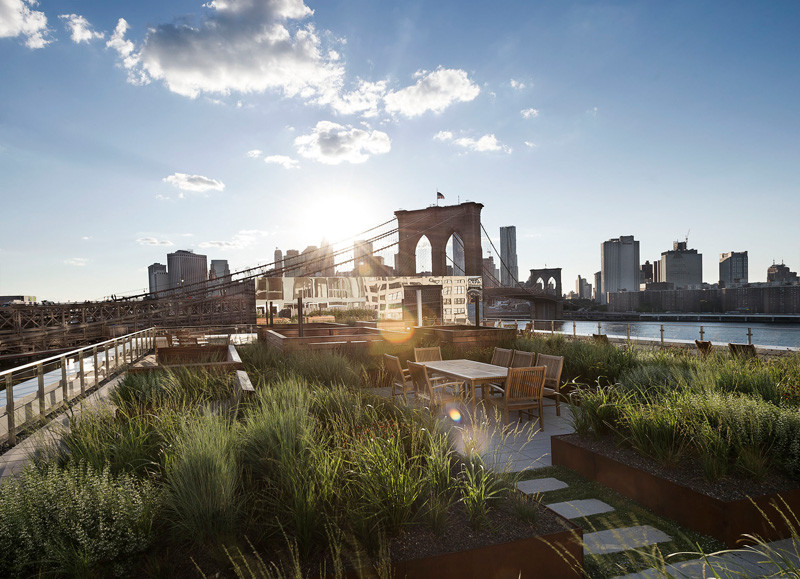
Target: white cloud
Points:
x,y
529,113
193,183
86,237
80,29
516,84
486,143
255,153
17,19
243,46
433,91
244,238
77,261
127,53
592,112
331,143
531,144
363,100
153,241
283,161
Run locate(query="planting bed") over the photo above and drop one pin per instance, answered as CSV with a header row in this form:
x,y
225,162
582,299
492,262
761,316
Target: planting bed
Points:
x,y
722,509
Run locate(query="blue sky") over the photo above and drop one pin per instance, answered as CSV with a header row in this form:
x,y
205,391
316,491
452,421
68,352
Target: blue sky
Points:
x,y
132,129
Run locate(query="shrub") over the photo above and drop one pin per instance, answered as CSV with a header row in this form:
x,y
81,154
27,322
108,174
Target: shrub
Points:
x,y
75,521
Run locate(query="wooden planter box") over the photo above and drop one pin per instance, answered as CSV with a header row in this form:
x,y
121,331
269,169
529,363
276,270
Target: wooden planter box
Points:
x,y
465,337
558,555
724,520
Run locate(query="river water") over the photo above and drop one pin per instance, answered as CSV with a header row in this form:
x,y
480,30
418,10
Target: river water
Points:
x,y
762,334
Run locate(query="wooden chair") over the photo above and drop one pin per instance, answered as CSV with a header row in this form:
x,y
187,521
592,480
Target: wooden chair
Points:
x,y
705,348
523,359
523,392
502,357
427,354
743,351
600,339
402,385
528,331
552,380
436,394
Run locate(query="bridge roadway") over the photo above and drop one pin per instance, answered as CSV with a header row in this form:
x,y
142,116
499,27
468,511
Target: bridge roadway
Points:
x,y
25,329
545,304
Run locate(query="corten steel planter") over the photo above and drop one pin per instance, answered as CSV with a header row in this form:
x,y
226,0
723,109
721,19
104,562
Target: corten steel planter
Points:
x,y
724,520
466,337
555,556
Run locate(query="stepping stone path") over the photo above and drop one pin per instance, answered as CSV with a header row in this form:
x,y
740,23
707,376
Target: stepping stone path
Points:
x,y
580,508
616,540
540,485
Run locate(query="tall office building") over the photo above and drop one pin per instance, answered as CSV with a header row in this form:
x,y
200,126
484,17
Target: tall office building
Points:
x,y
732,268
362,258
278,259
598,276
159,279
458,256
779,272
186,268
291,263
583,289
218,274
681,267
619,266
508,256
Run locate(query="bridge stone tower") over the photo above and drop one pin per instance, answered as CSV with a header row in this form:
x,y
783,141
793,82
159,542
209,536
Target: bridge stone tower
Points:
x,y
438,224
547,310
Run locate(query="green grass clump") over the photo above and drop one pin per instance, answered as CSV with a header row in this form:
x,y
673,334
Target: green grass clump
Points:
x,y
203,493
176,389
75,521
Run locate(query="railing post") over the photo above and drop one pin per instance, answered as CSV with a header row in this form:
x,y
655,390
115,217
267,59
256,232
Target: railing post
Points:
x,y
629,332
599,331
106,362
662,335
11,414
94,356
702,333
64,393
749,336
82,373
116,356
574,330
40,392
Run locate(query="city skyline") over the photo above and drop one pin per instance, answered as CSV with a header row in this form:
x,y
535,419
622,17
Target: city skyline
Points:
x,y
126,132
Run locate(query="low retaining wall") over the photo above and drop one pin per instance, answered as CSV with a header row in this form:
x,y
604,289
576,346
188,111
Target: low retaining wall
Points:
x,y
724,520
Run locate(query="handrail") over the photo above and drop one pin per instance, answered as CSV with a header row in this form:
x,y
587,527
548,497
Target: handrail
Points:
x,y
70,353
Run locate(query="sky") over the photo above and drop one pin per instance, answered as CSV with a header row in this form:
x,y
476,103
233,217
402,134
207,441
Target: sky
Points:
x,y
129,130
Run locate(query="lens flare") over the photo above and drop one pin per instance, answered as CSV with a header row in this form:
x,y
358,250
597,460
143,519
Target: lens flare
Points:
x,y
454,414
395,332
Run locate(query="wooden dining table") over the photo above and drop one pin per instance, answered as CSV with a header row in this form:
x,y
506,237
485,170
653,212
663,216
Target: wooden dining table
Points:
x,y
470,372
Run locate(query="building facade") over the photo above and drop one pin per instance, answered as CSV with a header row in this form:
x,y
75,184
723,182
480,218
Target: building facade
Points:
x,y
619,266
509,273
682,267
158,278
186,268
732,268
780,273
583,289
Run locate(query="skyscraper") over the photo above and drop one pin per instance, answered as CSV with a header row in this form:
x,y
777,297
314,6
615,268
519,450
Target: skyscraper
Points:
x,y
508,256
186,268
159,279
732,268
619,266
278,259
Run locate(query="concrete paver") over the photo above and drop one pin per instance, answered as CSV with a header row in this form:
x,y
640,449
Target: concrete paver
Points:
x,y
580,508
540,485
622,539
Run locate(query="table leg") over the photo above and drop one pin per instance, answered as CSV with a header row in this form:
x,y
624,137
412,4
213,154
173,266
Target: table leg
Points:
x,y
474,400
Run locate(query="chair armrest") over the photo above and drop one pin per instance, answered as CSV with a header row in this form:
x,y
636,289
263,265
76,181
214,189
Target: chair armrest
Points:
x,y
443,385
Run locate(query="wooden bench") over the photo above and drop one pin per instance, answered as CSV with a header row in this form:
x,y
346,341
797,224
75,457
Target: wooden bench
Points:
x,y
705,348
744,351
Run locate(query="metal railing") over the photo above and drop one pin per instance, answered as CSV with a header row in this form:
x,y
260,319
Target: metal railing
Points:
x,y
30,392
781,337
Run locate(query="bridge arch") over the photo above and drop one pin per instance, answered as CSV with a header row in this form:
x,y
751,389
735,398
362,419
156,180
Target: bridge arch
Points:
x,y
438,224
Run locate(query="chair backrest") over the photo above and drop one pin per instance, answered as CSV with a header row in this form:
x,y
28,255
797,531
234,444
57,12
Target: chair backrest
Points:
x,y
502,357
392,364
419,376
525,383
427,354
554,365
742,350
600,338
523,359
704,347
